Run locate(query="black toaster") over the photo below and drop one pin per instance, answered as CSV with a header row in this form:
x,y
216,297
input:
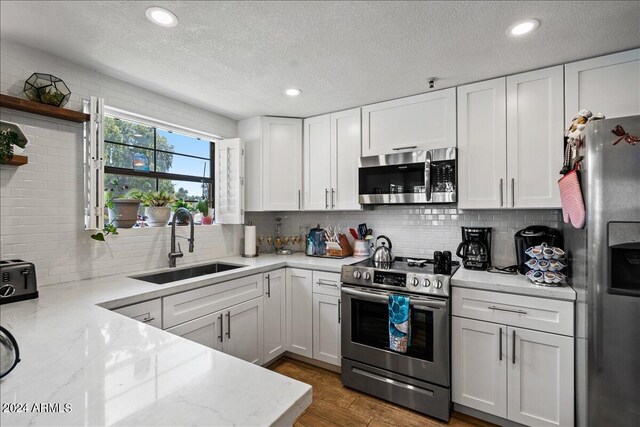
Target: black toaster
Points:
x,y
17,281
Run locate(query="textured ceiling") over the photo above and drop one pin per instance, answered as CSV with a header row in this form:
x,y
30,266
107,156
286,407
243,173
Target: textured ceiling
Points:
x,y
236,58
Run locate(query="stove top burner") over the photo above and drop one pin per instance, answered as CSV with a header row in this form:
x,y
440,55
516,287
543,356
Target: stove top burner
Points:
x,y
408,265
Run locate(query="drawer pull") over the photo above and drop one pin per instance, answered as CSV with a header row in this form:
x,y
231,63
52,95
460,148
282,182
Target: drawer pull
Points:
x,y
410,147
493,307
329,284
148,319
500,346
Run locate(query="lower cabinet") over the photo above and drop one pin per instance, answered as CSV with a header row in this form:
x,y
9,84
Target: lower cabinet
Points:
x,y
326,328
274,314
237,331
523,375
299,308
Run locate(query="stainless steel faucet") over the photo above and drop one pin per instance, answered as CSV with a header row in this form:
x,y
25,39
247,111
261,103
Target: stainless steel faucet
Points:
x,y
173,254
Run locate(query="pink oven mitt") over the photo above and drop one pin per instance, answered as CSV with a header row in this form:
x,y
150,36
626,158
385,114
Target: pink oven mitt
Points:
x,y
572,201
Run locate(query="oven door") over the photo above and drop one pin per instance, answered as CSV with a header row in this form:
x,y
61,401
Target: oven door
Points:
x,y
365,334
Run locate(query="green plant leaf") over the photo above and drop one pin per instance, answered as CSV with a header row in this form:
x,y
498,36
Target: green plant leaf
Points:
x,y
98,236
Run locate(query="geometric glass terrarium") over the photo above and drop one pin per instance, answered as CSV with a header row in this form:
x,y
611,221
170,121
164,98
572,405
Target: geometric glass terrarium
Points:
x,y
47,89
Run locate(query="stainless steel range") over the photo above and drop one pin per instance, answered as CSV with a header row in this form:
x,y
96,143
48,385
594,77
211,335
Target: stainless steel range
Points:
x,y
420,378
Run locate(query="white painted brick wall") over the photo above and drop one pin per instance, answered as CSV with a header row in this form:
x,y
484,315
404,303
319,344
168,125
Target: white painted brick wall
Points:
x,y
41,205
418,230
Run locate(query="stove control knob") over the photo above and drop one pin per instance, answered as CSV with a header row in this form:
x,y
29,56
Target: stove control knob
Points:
x,y
438,284
415,281
367,275
356,274
426,283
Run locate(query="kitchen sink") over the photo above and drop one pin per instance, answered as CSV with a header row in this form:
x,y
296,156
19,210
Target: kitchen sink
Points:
x,y
186,273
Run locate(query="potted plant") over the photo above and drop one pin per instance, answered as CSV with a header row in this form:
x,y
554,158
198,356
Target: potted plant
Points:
x,y
181,218
12,140
203,207
123,210
157,208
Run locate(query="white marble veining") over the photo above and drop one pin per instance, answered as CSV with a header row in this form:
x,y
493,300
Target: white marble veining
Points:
x,y
113,370
513,284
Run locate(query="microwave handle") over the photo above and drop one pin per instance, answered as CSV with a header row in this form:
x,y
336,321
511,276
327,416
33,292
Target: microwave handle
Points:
x,y
427,175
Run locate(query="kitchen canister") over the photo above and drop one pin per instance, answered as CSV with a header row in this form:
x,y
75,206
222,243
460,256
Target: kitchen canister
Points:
x,y
361,248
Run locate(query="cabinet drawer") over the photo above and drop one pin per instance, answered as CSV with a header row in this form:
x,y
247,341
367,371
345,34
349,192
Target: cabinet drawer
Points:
x,y
189,305
149,312
326,283
516,310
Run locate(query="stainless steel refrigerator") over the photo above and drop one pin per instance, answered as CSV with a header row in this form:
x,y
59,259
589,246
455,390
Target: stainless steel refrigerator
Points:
x,y
605,272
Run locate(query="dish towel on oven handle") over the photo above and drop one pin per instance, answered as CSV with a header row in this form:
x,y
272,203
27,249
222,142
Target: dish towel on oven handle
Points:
x,y
571,197
399,323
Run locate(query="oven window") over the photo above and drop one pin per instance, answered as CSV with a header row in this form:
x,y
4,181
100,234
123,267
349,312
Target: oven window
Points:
x,y
370,326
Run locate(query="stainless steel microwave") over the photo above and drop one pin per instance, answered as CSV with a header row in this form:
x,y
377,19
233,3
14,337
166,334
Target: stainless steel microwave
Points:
x,y
409,178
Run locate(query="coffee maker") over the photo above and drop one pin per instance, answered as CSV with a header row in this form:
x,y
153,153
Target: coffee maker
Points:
x,y
475,249
535,235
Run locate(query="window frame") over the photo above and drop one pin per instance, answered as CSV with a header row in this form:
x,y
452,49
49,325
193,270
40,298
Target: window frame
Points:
x,y
171,128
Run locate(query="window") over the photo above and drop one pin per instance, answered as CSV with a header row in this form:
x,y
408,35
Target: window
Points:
x,y
150,158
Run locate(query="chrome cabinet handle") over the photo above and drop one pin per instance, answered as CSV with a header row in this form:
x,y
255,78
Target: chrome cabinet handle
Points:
x,y
299,199
501,194
333,193
514,347
229,324
493,307
148,319
513,192
500,345
329,284
269,285
405,148
221,327
326,198
339,313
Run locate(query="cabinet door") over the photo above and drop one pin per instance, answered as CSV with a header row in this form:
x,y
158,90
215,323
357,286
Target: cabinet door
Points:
x,y
299,312
206,330
317,163
413,123
535,129
540,373
274,314
149,312
250,131
229,182
345,155
479,371
282,164
326,328
243,331
482,145
608,84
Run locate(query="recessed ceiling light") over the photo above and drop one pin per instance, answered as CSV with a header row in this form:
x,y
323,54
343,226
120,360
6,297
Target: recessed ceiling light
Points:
x,y
523,27
294,91
162,17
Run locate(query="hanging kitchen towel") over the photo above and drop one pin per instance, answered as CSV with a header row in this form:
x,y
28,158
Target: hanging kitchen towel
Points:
x,y
571,197
399,323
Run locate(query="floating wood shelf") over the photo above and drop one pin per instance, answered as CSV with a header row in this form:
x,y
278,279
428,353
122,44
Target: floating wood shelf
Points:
x,y
17,160
20,104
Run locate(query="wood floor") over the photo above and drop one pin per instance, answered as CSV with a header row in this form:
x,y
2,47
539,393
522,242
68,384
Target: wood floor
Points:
x,y
336,405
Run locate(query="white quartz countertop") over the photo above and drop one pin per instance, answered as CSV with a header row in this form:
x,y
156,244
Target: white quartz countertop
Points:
x,y
509,283
111,370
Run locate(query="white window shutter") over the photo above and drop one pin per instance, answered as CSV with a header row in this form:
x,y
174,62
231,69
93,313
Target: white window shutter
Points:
x,y
229,181
94,164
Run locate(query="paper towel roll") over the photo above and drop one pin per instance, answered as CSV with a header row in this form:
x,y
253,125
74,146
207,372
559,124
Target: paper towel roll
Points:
x,y
249,239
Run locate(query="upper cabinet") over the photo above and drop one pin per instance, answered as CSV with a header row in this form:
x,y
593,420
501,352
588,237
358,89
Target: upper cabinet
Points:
x,y
510,141
608,84
413,123
273,167
331,151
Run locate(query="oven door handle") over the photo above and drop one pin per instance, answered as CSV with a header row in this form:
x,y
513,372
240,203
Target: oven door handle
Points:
x,y
384,298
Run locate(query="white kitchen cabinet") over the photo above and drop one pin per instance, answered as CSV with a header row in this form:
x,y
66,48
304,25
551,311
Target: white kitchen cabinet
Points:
x,y
331,151
273,169
299,309
243,331
540,378
535,138
206,330
419,122
149,312
274,314
607,84
482,144
326,328
479,371
229,182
